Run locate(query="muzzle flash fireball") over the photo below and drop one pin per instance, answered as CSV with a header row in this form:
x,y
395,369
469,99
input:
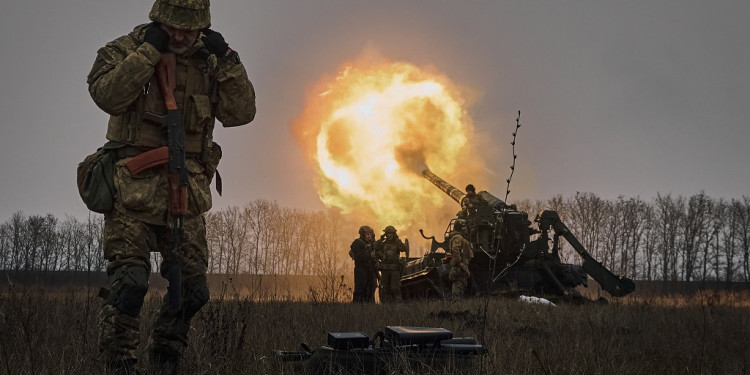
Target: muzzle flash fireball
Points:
x,y
373,128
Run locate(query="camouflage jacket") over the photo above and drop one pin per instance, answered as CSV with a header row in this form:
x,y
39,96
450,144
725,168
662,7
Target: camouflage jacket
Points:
x,y
361,252
470,202
122,83
388,252
461,251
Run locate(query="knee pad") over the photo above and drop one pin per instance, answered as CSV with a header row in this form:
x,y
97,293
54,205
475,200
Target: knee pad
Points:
x,y
129,287
195,294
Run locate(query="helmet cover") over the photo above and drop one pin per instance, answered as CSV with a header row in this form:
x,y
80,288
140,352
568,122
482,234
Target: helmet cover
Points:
x,y
182,14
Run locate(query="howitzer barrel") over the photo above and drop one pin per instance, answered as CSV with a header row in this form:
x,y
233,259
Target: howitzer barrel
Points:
x,y
443,185
457,194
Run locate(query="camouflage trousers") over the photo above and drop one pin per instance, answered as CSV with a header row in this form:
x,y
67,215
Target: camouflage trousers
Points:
x,y
390,285
364,283
127,246
460,279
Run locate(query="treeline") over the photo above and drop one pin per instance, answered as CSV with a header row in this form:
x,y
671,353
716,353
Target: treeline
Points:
x,y
46,243
260,238
265,239
696,238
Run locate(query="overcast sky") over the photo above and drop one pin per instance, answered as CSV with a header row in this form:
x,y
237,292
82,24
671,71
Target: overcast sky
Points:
x,y
628,98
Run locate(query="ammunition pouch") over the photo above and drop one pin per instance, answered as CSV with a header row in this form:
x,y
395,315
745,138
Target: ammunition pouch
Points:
x,y
95,179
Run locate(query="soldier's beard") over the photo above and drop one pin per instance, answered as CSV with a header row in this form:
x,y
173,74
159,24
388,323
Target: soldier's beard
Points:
x,y
179,49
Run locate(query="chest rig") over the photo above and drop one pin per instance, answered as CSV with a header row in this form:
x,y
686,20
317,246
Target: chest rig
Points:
x,y
391,251
196,93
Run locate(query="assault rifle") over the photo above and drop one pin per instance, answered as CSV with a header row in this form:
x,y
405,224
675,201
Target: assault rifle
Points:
x,y
177,177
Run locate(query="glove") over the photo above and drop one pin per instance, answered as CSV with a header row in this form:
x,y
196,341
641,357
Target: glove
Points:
x,y
215,43
157,37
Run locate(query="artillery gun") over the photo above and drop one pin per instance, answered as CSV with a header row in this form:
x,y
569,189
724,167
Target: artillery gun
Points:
x,y
510,253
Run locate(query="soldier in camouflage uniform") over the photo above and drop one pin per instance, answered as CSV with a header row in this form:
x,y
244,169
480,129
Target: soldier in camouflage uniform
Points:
x,y
470,202
364,265
469,205
388,250
211,83
461,255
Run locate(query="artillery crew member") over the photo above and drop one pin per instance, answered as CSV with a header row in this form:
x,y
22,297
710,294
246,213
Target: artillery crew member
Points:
x,y
388,250
470,202
461,255
364,265
209,83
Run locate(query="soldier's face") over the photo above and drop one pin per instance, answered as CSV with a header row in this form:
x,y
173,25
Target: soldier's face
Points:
x,y
180,41
369,236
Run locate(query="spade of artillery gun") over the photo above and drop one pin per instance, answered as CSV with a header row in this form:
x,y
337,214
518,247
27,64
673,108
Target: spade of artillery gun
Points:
x,y
510,253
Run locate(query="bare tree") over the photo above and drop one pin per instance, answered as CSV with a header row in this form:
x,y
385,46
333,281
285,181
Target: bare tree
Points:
x,y
694,234
259,216
650,243
236,230
215,237
587,213
712,252
329,265
32,238
730,239
741,211
633,211
6,243
48,243
72,238
17,223
612,230
669,216
94,243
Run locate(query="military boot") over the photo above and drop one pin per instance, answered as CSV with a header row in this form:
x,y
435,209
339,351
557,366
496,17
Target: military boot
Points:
x,y
125,367
164,363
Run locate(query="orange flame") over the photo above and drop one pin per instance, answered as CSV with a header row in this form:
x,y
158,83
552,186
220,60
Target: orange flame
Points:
x,y
372,129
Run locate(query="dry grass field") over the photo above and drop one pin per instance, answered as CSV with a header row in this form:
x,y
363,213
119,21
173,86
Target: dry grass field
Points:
x,y
53,331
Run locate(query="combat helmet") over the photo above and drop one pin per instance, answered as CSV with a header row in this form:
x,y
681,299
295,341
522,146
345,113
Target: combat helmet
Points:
x,y
459,225
182,14
365,229
390,229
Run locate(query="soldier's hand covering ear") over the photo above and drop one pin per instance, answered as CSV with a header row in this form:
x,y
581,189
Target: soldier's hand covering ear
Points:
x,y
215,43
157,37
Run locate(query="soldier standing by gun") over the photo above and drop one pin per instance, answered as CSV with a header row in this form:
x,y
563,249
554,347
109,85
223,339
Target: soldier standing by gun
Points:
x,y
469,205
364,265
470,202
461,255
387,253
162,177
